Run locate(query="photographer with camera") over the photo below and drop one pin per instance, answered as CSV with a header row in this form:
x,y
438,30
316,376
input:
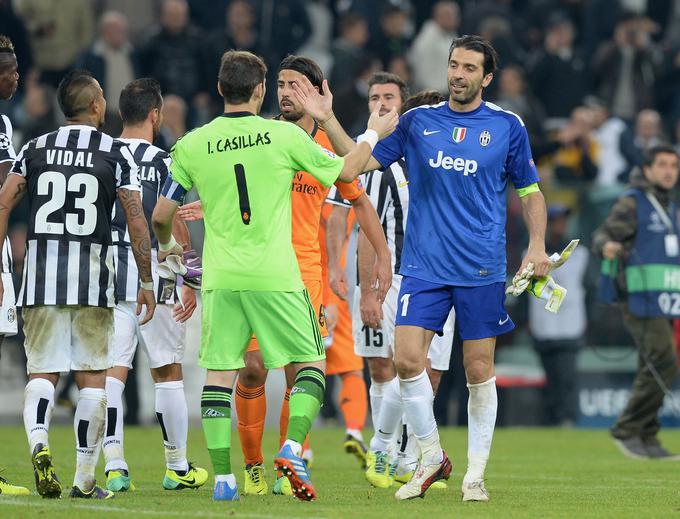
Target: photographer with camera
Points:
x,y
624,68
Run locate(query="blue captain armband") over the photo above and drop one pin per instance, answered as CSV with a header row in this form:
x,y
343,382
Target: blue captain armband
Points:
x,y
173,190
524,191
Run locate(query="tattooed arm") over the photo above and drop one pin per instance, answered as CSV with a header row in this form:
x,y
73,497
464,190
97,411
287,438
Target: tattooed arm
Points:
x,y
13,190
141,247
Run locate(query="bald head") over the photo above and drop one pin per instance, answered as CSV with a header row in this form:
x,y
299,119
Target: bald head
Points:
x,y
446,14
175,15
113,28
648,124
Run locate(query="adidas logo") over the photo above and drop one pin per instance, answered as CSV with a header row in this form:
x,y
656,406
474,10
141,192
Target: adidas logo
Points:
x,y
212,413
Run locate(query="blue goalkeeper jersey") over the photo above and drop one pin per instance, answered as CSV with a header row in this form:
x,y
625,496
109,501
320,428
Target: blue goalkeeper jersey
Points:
x,y
459,165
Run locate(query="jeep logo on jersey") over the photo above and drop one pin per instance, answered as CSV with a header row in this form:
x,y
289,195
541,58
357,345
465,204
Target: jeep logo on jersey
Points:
x,y
485,138
467,167
458,134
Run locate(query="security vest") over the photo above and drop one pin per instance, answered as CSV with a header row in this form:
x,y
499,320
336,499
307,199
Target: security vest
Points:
x,y
653,268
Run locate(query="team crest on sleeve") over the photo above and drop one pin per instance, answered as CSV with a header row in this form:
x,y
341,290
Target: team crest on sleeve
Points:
x,y
459,134
485,138
4,141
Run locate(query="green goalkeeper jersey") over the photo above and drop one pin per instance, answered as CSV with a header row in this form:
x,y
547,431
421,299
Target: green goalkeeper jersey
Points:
x,y
242,167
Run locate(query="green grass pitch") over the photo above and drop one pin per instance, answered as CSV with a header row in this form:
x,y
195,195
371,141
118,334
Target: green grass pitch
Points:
x,y
537,473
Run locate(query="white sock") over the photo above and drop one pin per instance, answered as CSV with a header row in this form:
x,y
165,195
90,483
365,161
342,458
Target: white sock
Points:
x,y
375,392
482,407
391,410
113,445
416,393
297,448
355,433
88,423
229,478
410,451
38,405
173,417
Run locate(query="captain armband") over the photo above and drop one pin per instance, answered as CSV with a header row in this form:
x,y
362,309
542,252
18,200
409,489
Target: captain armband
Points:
x,y
524,191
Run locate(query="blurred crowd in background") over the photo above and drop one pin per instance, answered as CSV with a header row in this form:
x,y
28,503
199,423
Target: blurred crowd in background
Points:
x,y
597,82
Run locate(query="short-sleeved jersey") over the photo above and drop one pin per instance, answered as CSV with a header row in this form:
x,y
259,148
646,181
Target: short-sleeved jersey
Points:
x,y
242,167
6,149
309,196
72,177
154,166
7,154
387,189
459,165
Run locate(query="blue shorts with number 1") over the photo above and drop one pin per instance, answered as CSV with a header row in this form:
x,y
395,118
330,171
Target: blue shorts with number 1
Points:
x,y
480,311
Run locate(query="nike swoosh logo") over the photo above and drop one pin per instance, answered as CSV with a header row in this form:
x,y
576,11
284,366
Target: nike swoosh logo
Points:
x,y
382,432
502,322
404,183
425,132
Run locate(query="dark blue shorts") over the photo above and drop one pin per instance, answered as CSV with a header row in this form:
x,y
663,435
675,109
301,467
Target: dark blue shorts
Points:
x,y
480,311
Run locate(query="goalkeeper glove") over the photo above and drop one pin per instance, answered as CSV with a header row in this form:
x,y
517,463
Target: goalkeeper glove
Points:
x,y
545,288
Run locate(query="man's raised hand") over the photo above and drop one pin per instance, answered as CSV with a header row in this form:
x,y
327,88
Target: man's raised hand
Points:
x,y
383,125
318,105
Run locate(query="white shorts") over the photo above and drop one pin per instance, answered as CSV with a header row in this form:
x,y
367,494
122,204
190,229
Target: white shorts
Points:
x,y
64,338
162,338
369,342
8,310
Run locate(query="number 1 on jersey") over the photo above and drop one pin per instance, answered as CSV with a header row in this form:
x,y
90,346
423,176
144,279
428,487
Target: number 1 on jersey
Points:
x,y
243,201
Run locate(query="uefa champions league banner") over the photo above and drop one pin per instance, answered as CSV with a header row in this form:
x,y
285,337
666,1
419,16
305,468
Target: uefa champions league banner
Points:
x,y
602,397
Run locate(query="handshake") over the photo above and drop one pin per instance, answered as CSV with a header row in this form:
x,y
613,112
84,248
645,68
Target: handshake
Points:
x,y
543,287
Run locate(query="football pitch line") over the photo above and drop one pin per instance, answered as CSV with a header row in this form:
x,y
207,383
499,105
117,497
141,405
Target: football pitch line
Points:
x,y
105,508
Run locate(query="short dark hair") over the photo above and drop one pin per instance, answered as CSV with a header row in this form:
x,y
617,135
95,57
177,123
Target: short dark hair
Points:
x,y
69,90
305,66
477,44
651,153
387,78
424,97
6,44
138,98
240,72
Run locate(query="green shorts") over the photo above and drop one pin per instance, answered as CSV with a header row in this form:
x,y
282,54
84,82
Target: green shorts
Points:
x,y
284,322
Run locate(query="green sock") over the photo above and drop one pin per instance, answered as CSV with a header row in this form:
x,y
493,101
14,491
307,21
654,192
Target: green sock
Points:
x,y
306,398
216,418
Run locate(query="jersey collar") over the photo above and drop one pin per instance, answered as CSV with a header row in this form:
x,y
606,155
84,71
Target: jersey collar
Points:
x,y
237,114
476,110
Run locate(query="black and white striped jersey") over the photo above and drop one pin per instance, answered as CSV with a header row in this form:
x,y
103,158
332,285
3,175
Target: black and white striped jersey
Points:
x,y
6,148
154,165
388,192
72,175
6,155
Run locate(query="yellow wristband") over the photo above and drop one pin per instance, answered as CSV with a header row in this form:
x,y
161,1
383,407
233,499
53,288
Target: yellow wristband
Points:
x,y
524,191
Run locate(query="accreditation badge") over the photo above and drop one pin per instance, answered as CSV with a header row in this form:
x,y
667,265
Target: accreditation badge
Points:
x,y
672,247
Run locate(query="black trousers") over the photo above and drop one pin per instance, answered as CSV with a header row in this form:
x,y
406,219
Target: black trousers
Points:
x,y
654,339
560,400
